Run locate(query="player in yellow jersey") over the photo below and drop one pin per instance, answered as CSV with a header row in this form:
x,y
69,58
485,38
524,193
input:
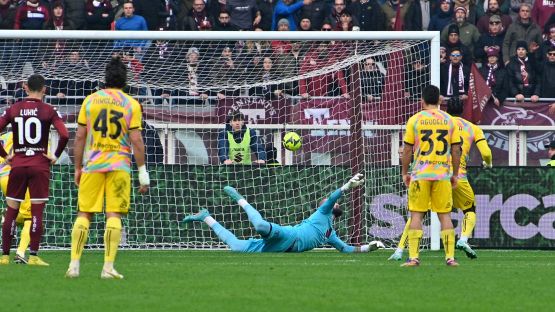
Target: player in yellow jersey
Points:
x,y
433,137
463,195
24,215
109,130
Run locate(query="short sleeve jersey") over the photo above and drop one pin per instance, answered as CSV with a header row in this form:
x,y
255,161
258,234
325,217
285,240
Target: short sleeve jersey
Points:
x,y
109,115
432,132
470,133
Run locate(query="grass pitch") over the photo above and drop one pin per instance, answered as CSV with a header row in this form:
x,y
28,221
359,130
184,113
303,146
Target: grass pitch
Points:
x,y
312,281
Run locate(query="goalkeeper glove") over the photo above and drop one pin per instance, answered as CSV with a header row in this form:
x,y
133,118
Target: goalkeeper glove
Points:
x,y
374,245
355,181
486,165
144,178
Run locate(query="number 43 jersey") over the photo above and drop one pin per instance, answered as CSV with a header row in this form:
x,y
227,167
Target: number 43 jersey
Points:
x,y
109,115
31,120
431,133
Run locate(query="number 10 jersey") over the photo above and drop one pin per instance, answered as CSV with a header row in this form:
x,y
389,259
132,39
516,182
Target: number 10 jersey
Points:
x,y
109,115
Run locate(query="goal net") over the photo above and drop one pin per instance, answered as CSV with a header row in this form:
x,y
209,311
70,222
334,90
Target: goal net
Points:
x,y
346,94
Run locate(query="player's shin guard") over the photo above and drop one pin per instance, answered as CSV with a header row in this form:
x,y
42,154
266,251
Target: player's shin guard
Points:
x,y
79,236
468,224
403,242
37,211
25,238
414,243
8,229
112,237
448,238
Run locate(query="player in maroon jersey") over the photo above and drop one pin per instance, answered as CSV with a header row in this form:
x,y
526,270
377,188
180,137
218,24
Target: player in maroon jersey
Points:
x,y
30,119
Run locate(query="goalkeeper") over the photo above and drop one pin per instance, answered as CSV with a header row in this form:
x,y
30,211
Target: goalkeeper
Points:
x,y
313,232
463,195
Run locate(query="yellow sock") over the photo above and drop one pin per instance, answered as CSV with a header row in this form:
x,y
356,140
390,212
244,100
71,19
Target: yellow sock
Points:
x,y
468,224
112,237
25,238
79,236
403,242
448,238
414,243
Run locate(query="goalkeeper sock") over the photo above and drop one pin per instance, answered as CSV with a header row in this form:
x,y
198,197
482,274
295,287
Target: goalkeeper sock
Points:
x,y
403,242
448,238
261,226
37,211
414,243
79,236
112,237
468,224
8,229
25,238
227,237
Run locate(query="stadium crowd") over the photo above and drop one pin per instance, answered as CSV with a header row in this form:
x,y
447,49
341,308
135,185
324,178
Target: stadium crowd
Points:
x,y
512,42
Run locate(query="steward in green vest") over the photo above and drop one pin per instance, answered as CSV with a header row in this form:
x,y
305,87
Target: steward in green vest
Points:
x,y
551,153
237,142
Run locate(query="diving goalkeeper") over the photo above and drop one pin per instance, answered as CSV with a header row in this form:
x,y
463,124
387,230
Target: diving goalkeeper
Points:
x,y
313,232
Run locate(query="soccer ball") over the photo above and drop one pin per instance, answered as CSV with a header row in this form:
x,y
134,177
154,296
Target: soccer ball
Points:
x,y
292,141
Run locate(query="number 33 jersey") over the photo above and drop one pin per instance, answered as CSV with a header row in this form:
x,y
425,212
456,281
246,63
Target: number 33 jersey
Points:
x,y
31,120
109,115
431,132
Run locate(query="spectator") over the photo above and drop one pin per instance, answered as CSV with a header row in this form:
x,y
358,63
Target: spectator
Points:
x,y
266,8
493,39
168,16
346,21
546,45
7,14
335,15
130,21
468,33
515,7
152,11
542,10
223,22
305,24
198,17
324,84
443,55
245,14
58,20
289,64
523,78
419,15
390,10
317,11
551,153
369,15
550,22
154,150
417,76
523,29
547,77
75,13
281,46
236,142
372,80
287,9
99,15
482,7
31,15
442,17
269,90
470,10
493,9
195,71
454,76
454,42
495,76
72,92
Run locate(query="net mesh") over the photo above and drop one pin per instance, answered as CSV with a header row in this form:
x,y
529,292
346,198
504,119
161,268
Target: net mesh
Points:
x,y
334,94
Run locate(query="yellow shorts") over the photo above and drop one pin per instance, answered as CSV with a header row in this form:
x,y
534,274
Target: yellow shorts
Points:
x,y
463,195
114,186
24,206
426,194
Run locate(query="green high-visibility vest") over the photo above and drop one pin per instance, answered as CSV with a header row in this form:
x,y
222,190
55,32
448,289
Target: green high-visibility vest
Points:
x,y
551,163
240,153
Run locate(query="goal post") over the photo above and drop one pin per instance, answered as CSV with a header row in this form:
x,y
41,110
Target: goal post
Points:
x,y
346,93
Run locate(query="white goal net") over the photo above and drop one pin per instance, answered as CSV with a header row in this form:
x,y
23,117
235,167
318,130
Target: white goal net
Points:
x,y
346,94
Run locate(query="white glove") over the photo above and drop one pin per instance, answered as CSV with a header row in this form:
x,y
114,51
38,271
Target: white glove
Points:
x,y
355,181
144,178
486,165
374,245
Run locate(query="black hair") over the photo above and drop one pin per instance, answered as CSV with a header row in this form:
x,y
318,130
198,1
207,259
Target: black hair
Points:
x,y
430,95
455,106
116,74
236,115
35,83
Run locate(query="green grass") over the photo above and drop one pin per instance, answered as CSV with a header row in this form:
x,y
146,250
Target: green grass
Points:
x,y
312,281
